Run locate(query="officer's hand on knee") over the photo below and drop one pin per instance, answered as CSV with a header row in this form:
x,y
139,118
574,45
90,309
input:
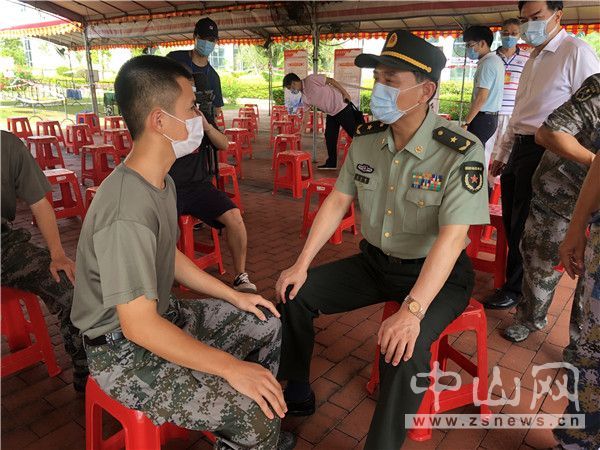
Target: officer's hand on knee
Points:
x,y
289,283
397,336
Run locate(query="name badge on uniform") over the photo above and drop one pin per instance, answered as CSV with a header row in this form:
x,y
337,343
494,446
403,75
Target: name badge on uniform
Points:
x,y
361,178
427,181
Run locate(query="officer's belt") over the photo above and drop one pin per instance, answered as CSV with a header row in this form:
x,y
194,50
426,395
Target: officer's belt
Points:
x,y
391,259
488,113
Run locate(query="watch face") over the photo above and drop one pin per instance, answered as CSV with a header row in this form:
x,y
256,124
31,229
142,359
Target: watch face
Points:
x,y
414,307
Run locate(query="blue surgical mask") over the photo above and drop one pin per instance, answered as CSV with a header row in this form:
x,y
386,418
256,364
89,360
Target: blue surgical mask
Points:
x,y
294,91
383,103
534,31
203,47
509,41
471,53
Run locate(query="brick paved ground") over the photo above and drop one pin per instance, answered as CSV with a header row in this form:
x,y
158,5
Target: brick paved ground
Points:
x,y
45,413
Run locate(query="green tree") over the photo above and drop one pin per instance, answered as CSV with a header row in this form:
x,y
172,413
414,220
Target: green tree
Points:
x,y
594,40
13,48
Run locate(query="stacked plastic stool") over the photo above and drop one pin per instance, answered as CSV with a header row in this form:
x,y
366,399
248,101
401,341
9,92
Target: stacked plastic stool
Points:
x,y
47,151
322,188
78,135
70,204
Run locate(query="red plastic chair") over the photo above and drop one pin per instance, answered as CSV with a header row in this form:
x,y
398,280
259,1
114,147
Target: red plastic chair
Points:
x,y
284,142
120,138
17,330
220,120
114,122
89,196
228,177
71,203
473,318
281,126
499,249
292,177
100,168
138,432
19,126
255,109
90,119
50,128
78,135
44,155
494,200
234,150
209,255
242,137
323,187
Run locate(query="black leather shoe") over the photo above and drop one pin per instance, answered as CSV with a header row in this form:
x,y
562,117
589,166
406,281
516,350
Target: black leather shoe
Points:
x,y
303,408
287,441
500,299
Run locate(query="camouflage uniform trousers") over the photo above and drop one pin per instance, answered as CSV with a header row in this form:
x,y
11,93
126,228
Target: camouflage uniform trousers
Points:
x,y
167,392
544,232
587,356
26,266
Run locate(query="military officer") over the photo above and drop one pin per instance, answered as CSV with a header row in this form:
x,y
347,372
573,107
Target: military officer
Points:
x,y
571,134
419,181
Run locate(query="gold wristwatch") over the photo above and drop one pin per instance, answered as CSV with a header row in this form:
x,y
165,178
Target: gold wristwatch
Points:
x,y
414,307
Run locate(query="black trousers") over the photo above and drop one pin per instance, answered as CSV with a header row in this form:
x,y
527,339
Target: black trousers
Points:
x,y
345,119
483,126
515,184
361,280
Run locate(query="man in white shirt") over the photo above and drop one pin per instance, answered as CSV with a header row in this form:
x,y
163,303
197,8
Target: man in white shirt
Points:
x,y
556,69
514,59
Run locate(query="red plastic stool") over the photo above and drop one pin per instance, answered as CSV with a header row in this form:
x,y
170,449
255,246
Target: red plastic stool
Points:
x,y
497,266
220,120
254,108
285,142
89,196
310,124
45,157
323,187
71,203
242,137
19,126
50,128
281,126
210,254
494,200
234,149
343,144
100,168
120,138
90,119
138,431
295,122
473,318
292,177
17,330
114,122
367,117
228,177
78,135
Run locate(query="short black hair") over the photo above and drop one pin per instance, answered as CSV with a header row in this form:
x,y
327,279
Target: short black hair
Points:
x,y
511,21
289,78
479,33
553,6
145,82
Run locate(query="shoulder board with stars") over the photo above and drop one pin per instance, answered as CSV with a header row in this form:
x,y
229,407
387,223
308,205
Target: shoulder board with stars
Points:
x,y
370,128
455,141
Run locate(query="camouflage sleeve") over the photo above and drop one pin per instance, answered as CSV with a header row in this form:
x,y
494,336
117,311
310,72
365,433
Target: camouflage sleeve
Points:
x,y
574,115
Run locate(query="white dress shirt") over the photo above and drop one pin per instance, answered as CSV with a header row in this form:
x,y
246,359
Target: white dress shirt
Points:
x,y
548,80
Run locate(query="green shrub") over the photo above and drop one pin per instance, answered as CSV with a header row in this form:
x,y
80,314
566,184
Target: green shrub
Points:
x,y
278,96
365,101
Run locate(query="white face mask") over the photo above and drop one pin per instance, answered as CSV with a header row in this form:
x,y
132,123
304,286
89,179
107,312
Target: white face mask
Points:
x,y
534,31
195,130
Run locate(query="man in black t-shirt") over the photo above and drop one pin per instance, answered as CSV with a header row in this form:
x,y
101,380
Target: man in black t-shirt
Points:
x,y
196,195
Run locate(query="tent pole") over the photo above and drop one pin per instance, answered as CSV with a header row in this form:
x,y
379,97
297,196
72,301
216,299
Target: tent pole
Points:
x,y
462,89
270,78
88,58
315,33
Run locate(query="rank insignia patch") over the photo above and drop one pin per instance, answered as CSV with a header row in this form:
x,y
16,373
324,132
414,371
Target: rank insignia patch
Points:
x,y
472,176
365,168
361,178
427,181
455,141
